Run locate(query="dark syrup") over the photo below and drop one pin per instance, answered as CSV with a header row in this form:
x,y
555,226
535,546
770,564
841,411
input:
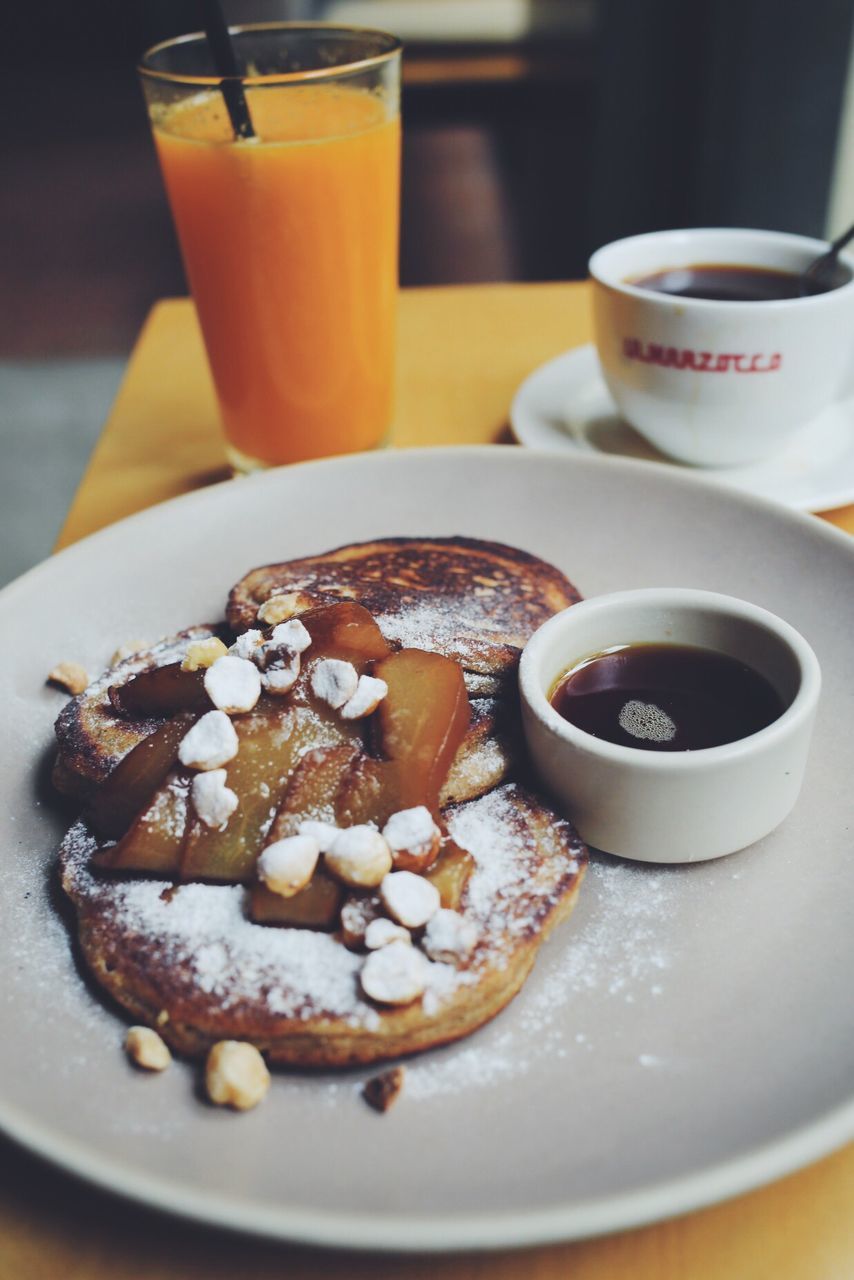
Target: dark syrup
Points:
x,y
666,697
718,282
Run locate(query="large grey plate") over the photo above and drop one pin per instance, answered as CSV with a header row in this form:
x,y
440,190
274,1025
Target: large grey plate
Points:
x,y
689,1034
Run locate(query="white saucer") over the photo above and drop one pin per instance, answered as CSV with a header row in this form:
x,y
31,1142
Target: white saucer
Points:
x,y
565,404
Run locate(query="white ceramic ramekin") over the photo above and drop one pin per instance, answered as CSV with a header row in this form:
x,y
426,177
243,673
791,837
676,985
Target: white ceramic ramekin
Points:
x,y
681,806
718,383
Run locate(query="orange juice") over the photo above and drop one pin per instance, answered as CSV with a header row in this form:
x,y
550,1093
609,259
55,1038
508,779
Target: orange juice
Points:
x,y
290,245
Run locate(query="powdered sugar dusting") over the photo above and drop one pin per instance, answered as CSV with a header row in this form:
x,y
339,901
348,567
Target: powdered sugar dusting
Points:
x,y
426,625
201,936
506,892
616,954
478,769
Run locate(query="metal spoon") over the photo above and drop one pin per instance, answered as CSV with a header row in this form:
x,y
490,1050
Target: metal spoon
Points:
x,y
812,279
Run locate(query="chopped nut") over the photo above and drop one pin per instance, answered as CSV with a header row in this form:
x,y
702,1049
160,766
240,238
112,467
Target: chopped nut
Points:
x,y
203,653
409,899
413,838
128,650
281,607
233,684
370,692
396,974
381,932
280,677
334,682
70,677
210,744
286,866
213,801
291,635
449,936
359,856
146,1049
236,1075
279,664
381,1091
245,645
356,914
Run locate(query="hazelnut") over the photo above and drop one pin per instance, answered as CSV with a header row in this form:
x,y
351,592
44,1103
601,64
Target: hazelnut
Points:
x,y
203,653
280,608
381,932
413,838
359,856
381,1091
334,682
236,1075
233,684
409,898
396,974
70,677
146,1049
286,866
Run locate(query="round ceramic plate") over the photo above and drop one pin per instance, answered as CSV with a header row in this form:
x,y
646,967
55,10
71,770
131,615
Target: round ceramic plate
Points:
x,y
689,1032
565,405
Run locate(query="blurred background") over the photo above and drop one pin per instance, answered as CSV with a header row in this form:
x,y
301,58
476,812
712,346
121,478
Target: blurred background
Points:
x,y
535,130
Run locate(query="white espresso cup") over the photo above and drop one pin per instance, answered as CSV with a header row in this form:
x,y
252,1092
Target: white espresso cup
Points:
x,y
719,383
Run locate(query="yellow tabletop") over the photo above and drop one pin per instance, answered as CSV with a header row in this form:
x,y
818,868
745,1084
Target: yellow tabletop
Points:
x,y
463,351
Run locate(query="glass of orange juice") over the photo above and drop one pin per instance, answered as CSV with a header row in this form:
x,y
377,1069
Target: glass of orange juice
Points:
x,y
290,236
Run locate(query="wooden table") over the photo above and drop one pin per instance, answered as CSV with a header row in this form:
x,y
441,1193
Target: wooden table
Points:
x,y
463,352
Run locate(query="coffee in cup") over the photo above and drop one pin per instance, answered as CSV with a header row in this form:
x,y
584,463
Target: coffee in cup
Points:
x,y
709,346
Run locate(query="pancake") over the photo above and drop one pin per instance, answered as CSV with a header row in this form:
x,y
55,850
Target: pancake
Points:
x,y
188,959
474,601
189,962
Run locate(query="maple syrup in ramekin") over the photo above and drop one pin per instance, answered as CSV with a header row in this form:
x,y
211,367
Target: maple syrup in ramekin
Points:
x,y
666,697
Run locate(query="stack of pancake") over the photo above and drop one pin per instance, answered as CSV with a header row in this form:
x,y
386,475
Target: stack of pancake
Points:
x,y
187,959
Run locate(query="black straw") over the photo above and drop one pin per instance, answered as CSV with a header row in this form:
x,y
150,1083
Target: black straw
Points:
x,y
226,66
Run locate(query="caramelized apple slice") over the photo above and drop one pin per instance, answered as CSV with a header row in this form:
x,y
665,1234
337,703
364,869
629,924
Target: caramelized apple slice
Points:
x,y
312,789
346,631
154,841
422,720
418,727
272,741
317,906
450,873
162,691
367,793
132,783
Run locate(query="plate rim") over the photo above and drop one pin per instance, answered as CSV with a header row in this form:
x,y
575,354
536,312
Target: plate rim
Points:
x,y
443,1233
520,455
470,1231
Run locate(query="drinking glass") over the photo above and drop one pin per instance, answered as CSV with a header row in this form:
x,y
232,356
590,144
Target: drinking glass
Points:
x,y
289,237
